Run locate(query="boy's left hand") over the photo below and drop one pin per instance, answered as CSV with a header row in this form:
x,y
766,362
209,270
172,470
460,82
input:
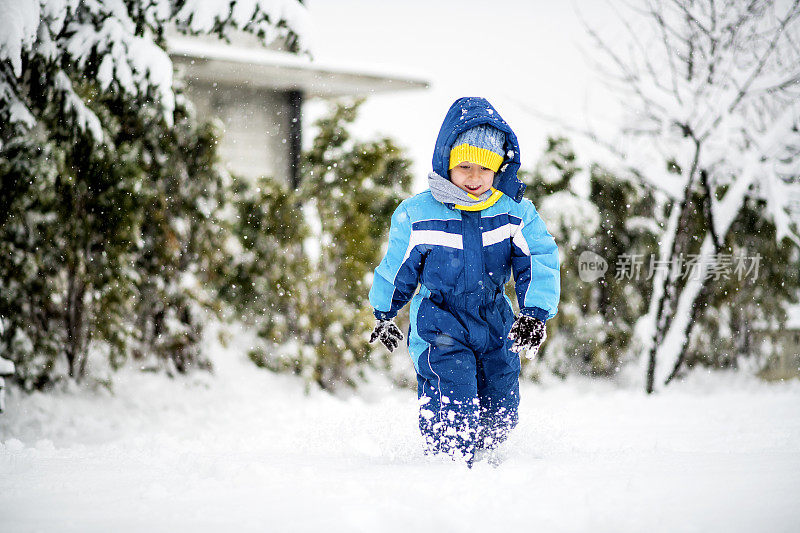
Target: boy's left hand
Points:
x,y
528,333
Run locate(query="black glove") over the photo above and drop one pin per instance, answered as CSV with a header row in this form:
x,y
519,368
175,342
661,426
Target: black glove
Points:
x,y
388,333
528,333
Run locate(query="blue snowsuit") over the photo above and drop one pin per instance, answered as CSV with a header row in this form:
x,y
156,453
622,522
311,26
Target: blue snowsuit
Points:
x,y
467,378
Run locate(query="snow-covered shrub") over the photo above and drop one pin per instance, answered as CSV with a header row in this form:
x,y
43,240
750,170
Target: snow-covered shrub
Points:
x,y
590,210
594,329
179,248
356,185
735,306
303,275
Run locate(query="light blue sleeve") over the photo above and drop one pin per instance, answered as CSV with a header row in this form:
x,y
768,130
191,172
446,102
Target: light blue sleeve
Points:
x,y
536,265
396,278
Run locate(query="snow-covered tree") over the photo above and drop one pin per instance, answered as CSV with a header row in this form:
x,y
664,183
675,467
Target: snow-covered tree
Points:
x,y
46,46
110,196
266,279
308,255
592,332
356,186
712,93
731,305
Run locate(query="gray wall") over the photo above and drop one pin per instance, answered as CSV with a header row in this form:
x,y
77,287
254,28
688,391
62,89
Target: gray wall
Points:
x,y
256,134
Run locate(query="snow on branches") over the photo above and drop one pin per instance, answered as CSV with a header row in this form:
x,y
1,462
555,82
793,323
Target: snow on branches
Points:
x,y
130,64
712,93
117,44
18,25
268,19
713,87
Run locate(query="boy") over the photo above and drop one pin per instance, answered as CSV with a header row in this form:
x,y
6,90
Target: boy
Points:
x,y
460,240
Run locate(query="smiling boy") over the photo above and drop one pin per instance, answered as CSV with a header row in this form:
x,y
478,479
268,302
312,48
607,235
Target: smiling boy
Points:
x,y
471,177
460,241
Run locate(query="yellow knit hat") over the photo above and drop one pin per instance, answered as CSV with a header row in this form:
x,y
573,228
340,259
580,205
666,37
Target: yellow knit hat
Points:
x,y
482,145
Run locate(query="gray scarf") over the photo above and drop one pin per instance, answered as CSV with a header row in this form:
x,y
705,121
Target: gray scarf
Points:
x,y
447,192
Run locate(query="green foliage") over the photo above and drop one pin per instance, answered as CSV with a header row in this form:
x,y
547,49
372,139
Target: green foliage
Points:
x,y
104,245
356,187
114,229
180,258
591,211
308,254
737,303
267,275
614,217
67,242
116,249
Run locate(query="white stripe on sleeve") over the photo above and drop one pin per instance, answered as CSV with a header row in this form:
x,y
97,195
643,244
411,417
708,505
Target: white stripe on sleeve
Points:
x,y
520,241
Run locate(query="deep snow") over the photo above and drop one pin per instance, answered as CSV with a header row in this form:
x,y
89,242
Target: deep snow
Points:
x,y
248,450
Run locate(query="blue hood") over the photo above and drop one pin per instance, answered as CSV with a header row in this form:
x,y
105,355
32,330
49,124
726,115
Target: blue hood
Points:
x,y
466,113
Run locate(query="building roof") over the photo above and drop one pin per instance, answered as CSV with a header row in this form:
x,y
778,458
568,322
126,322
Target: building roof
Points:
x,y
269,69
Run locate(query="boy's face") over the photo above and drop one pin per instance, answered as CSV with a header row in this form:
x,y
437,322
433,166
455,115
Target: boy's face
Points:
x,y
472,178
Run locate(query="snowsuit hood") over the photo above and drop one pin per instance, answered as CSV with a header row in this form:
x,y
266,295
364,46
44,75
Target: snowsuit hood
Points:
x,y
466,113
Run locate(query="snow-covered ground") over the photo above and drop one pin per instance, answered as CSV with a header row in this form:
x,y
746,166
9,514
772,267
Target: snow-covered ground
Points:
x,y
248,450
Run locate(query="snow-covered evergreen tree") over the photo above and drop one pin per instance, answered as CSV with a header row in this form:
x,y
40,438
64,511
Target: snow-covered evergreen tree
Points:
x,y
109,192
356,186
592,332
117,46
307,255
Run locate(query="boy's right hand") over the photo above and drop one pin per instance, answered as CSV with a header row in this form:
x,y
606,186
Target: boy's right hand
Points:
x,y
388,333
528,333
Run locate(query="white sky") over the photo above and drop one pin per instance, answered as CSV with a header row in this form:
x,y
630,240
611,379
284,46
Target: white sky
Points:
x,y
516,53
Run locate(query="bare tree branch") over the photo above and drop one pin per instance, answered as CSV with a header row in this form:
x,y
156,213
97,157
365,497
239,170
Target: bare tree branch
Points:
x,y
668,49
624,67
793,14
585,132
